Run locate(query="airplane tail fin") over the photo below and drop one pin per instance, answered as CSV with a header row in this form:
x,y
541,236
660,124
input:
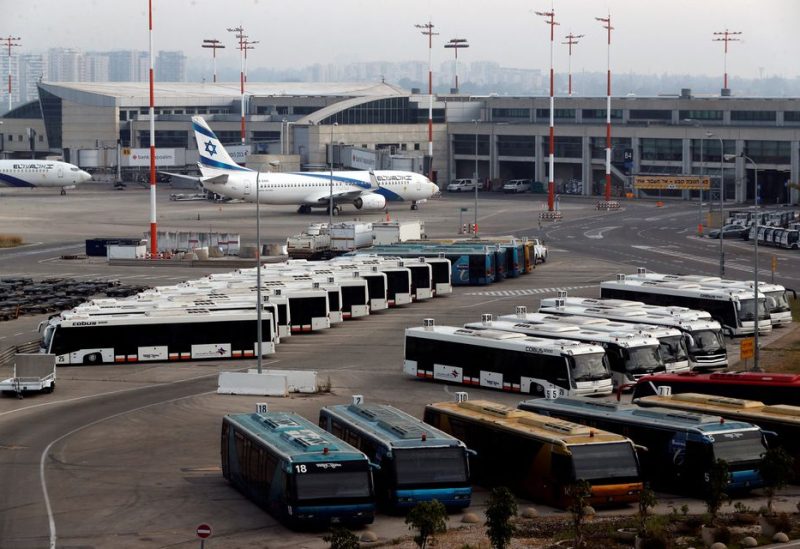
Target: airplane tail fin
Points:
x,y
212,154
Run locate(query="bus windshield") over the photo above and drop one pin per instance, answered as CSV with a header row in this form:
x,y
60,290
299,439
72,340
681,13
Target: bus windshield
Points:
x,y
589,367
707,340
615,460
326,485
777,301
643,359
746,309
673,349
48,336
430,466
738,446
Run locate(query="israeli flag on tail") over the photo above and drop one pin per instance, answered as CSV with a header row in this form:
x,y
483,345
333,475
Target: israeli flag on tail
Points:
x,y
213,156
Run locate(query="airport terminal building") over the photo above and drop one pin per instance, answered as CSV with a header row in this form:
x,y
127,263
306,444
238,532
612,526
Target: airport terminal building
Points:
x,y
383,126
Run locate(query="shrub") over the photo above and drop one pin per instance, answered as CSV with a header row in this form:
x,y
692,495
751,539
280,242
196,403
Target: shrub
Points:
x,y
501,507
342,538
428,518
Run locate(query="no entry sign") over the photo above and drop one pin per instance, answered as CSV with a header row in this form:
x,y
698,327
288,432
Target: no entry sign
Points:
x,y
203,531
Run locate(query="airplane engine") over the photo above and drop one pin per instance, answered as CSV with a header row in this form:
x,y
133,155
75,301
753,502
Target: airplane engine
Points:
x,y
370,202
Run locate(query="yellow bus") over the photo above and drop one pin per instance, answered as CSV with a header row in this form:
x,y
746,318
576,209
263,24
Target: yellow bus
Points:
x,y
540,457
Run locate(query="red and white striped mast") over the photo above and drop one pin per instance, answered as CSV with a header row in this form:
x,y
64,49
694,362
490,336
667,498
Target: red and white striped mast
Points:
x,y
572,40
11,42
607,25
727,36
153,222
215,45
241,36
551,185
428,31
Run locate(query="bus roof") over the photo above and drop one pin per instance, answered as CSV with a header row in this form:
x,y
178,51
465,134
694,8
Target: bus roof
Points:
x,y
165,316
744,378
294,437
635,315
505,339
553,430
678,288
393,427
662,418
748,410
711,281
561,327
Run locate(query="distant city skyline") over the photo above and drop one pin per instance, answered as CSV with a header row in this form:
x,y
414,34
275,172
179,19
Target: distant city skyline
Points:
x,y
653,37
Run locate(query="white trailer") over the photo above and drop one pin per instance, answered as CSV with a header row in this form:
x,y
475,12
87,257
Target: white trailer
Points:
x,y
32,372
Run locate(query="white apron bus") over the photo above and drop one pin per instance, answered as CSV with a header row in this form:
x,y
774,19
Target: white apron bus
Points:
x,y
733,308
505,361
629,355
194,334
705,345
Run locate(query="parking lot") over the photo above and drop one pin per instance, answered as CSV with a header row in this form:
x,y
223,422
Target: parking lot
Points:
x,y
130,453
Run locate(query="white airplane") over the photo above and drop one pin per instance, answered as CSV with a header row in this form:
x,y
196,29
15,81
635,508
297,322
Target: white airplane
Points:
x,y
364,190
41,173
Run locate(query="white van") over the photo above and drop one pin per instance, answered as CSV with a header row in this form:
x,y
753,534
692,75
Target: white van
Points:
x,y
459,185
517,186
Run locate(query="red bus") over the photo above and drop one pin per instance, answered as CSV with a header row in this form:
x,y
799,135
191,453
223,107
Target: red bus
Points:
x,y
767,388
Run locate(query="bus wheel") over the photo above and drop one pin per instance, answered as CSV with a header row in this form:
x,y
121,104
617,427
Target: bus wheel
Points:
x,y
93,358
50,389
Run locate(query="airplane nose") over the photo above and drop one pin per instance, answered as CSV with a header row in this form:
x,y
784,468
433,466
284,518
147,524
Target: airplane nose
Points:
x,y
85,176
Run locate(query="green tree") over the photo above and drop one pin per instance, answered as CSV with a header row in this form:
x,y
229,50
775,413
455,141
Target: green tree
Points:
x,y
647,500
579,492
428,518
717,480
776,469
342,538
499,510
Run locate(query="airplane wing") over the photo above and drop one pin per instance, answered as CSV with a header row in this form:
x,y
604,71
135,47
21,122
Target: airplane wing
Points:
x,y
321,198
183,177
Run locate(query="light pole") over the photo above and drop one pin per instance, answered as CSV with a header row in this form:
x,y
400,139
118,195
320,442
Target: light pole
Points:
x,y
475,224
721,204
214,45
258,271
330,196
455,44
756,367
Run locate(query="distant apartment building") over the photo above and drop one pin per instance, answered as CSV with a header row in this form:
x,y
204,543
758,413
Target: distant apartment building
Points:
x,y
170,66
64,65
96,67
32,70
127,66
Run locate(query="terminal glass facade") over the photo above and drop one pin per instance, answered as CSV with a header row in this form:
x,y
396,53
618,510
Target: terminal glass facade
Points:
x,y
661,149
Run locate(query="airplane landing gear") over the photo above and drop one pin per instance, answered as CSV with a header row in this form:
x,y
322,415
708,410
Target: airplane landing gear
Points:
x,y
63,192
414,205
304,209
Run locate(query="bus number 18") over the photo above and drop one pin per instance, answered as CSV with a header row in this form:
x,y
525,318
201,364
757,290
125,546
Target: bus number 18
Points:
x,y
300,469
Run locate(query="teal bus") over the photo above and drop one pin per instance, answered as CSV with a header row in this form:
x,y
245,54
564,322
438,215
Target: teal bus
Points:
x,y
417,462
299,473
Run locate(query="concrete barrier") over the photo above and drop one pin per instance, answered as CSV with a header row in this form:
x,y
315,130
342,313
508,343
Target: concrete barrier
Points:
x,y
297,381
247,383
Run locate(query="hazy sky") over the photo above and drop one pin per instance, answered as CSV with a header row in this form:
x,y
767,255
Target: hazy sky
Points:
x,y
650,36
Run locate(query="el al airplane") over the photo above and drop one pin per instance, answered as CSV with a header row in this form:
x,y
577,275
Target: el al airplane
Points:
x,y
41,173
364,190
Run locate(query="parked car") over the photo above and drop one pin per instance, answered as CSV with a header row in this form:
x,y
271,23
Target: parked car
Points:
x,y
517,186
460,185
730,231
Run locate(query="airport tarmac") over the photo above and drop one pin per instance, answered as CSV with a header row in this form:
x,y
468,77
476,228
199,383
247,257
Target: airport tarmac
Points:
x,y
128,455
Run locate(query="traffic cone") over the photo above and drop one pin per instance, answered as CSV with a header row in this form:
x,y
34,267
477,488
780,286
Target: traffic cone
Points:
x,y
387,216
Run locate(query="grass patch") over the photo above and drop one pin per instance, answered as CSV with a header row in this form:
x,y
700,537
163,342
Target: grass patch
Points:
x,y
10,240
